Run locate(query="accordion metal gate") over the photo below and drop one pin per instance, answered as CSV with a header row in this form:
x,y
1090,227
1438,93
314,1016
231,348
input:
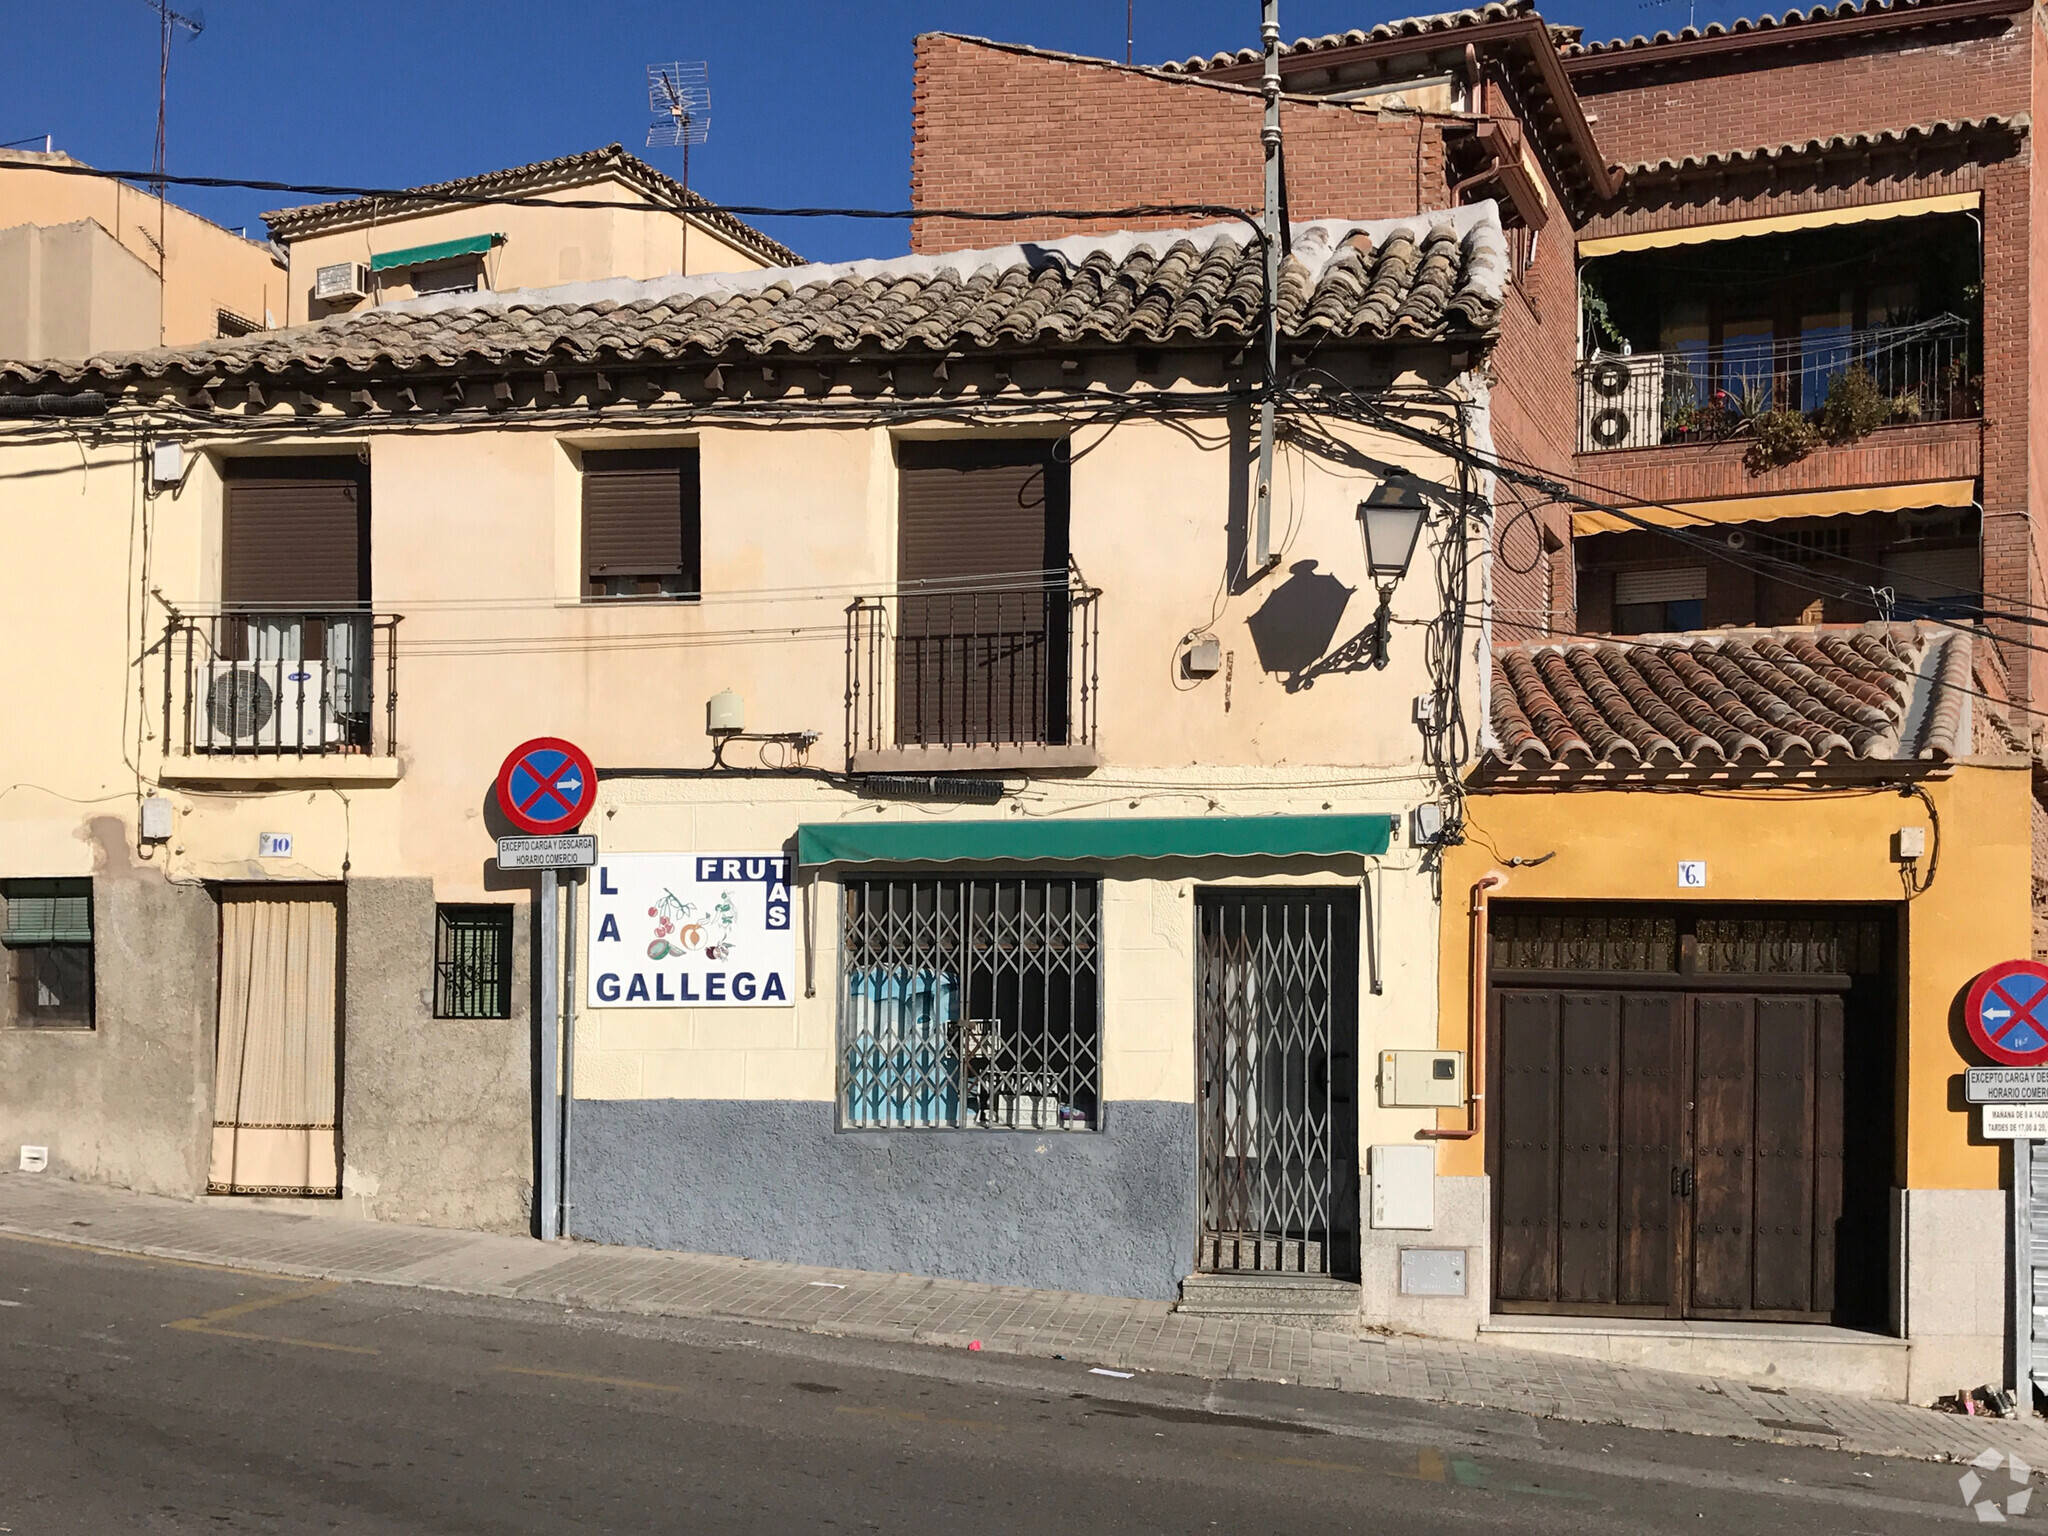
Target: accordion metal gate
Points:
x,y
1278,1035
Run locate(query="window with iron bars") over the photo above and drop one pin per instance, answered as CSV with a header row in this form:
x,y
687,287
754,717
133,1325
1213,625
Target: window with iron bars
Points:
x,y
972,1003
473,962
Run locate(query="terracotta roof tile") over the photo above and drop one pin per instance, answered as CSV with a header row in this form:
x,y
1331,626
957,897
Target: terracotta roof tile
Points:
x,y
1791,20
1432,278
1825,698
1410,26
1918,136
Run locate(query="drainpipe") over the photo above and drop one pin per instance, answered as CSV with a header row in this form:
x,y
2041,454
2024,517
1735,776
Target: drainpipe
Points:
x,y
1475,1014
568,1044
1269,139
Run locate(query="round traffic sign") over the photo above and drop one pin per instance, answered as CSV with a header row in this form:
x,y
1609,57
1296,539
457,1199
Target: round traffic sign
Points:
x,y
547,786
2007,1013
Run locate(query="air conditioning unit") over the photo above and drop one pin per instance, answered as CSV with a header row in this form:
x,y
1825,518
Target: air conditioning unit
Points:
x,y
342,282
264,706
1622,403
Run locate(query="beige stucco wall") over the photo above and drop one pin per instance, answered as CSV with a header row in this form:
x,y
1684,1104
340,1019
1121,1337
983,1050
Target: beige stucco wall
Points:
x,y
70,290
542,247
204,268
475,543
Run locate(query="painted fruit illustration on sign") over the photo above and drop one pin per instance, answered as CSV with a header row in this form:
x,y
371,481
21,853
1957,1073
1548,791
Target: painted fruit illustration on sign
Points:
x,y
680,928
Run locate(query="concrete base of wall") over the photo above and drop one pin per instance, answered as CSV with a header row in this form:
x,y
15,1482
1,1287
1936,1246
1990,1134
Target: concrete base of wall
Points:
x,y
1462,1215
1109,1213
1953,1254
1779,1354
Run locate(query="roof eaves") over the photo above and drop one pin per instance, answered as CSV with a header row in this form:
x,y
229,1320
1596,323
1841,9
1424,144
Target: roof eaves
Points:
x,y
1820,24
1714,162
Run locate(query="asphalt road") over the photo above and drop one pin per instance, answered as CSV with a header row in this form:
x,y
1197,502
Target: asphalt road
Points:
x,y
143,1395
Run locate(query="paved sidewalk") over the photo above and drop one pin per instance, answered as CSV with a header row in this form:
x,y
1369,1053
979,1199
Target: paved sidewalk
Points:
x,y
1107,1331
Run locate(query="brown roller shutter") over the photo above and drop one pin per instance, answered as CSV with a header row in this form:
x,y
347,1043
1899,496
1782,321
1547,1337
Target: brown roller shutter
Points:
x,y
296,534
640,523
982,620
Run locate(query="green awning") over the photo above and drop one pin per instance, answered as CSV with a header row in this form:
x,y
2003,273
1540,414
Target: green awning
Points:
x,y
447,250
1055,839
47,912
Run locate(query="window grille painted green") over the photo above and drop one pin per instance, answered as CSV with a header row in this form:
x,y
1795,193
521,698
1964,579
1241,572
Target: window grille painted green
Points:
x,y
473,962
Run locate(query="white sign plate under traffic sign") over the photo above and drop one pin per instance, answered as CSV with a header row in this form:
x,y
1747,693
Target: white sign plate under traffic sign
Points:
x,y
2006,1085
575,851
2016,1122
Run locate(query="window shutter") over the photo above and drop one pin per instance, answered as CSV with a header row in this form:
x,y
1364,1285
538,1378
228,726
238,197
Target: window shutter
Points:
x,y
1671,584
48,912
296,534
640,517
968,512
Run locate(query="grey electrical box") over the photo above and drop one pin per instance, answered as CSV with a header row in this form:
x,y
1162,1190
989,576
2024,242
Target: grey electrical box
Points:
x,y
1422,1079
1432,1271
1426,825
156,820
1205,658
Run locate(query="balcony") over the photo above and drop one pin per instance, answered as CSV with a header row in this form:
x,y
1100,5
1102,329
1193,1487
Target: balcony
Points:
x,y
261,695
1918,373
945,678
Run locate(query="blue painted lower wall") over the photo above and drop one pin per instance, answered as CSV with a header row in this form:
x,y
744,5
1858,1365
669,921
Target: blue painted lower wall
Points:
x,y
1109,1212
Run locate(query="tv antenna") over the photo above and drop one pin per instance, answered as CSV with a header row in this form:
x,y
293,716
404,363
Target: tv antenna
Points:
x,y
171,20
1691,8
679,96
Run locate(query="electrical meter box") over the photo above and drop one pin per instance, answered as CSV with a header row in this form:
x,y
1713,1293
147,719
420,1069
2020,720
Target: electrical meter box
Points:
x,y
1422,1079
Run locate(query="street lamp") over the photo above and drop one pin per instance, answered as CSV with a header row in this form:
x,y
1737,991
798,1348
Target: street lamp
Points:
x,y
1392,518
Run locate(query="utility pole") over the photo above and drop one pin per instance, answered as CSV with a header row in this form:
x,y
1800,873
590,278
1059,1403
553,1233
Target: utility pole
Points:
x,y
1269,140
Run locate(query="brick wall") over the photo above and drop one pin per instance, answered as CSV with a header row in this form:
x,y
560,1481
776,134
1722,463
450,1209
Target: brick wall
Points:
x,y
1947,450
1000,129
1744,100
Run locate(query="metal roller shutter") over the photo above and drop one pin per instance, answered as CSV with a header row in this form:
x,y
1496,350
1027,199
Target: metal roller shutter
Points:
x,y
640,521
1675,584
296,534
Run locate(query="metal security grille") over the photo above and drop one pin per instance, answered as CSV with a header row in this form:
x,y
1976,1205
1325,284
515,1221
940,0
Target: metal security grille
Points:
x,y
972,1003
1279,1044
473,962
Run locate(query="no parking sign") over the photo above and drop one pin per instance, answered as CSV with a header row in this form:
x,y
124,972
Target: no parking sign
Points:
x,y
2007,1013
547,786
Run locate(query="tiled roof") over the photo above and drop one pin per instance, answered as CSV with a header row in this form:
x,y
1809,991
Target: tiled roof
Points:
x,y
1437,277
1918,136
1847,10
1822,699
611,162
1411,26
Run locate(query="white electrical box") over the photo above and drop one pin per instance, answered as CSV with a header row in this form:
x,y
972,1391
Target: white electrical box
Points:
x,y
1909,843
1204,658
156,820
167,463
1422,1079
34,1159
1403,1183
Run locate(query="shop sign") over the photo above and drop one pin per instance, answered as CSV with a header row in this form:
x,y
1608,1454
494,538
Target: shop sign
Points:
x,y
2000,1013
2016,1122
692,930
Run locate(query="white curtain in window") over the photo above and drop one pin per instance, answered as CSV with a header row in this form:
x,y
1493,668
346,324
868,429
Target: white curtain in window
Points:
x,y
274,1082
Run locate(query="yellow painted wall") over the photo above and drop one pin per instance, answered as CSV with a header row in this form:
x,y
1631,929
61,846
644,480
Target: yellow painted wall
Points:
x,y
204,268
543,247
1786,846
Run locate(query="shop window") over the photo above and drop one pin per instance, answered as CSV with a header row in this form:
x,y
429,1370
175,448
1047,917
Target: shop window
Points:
x,y
47,936
972,1004
473,962
640,524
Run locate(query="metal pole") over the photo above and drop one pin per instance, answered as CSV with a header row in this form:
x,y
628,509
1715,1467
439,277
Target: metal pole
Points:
x,y
568,1040
2023,1276
1269,140
547,1198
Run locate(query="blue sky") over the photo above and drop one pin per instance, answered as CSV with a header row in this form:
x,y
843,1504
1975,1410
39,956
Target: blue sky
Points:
x,y
810,98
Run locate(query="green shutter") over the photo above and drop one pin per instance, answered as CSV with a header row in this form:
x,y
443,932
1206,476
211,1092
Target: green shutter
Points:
x,y
48,912
1059,840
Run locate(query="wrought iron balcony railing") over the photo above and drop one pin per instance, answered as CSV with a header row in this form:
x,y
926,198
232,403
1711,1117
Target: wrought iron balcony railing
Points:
x,y
1003,664
1914,372
274,684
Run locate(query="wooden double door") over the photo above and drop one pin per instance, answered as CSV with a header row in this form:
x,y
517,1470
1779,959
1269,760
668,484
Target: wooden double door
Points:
x,y
1670,1153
